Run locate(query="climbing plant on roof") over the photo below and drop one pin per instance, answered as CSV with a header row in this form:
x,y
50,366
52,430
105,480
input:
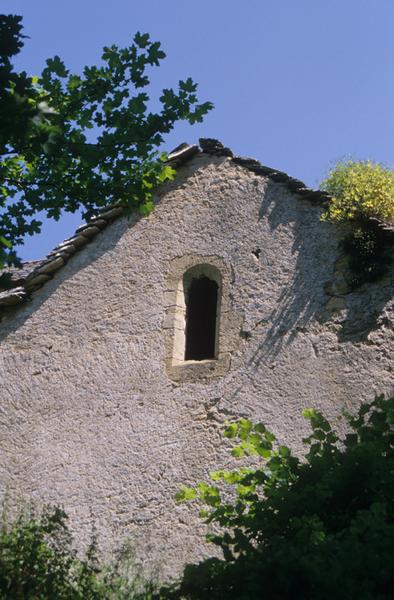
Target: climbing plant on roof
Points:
x,y
362,195
360,189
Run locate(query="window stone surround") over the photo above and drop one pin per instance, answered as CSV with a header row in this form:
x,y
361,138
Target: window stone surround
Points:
x,y
228,324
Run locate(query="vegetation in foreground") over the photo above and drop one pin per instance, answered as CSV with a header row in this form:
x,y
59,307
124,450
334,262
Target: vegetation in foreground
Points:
x,y
38,562
317,528
320,528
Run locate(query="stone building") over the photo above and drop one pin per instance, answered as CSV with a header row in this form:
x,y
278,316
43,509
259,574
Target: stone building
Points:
x,y
116,383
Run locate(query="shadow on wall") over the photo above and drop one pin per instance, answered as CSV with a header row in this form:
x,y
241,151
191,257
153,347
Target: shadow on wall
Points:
x,y
304,305
369,308
302,301
301,306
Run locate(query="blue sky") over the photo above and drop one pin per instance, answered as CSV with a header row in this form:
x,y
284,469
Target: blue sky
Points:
x,y
296,84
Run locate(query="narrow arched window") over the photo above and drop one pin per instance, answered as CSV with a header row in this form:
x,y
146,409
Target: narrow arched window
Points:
x,y
197,316
201,314
200,295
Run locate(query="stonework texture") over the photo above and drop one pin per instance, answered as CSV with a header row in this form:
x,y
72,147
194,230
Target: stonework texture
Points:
x,y
97,417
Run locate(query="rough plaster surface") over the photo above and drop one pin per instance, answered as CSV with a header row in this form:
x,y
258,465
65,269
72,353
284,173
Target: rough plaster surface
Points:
x,y
91,416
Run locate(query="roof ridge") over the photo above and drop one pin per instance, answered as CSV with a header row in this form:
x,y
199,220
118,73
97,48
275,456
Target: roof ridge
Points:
x,y
182,154
85,233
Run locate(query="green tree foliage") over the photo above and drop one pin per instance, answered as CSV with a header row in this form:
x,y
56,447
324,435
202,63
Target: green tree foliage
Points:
x,y
318,528
360,189
82,141
19,99
37,562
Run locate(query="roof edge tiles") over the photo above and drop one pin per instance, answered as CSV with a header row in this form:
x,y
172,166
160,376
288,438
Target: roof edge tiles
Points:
x,y
22,282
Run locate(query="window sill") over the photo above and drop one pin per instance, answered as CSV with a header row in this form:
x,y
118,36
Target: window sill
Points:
x,y
197,370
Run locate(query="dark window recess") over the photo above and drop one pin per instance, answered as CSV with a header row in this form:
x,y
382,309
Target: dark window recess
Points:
x,y
201,311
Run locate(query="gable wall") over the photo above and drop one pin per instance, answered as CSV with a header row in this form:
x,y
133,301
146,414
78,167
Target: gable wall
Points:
x,y
90,418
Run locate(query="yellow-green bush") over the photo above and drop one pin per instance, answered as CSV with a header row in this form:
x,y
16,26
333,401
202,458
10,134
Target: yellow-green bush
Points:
x,y
360,189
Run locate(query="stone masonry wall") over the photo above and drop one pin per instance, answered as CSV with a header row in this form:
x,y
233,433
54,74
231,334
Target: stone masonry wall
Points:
x,y
92,417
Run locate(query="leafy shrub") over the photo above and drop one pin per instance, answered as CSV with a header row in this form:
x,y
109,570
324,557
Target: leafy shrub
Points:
x,y
366,248
320,528
37,562
360,189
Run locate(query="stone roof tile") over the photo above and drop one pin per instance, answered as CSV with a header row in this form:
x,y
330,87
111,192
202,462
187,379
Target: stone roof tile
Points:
x,y
18,283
